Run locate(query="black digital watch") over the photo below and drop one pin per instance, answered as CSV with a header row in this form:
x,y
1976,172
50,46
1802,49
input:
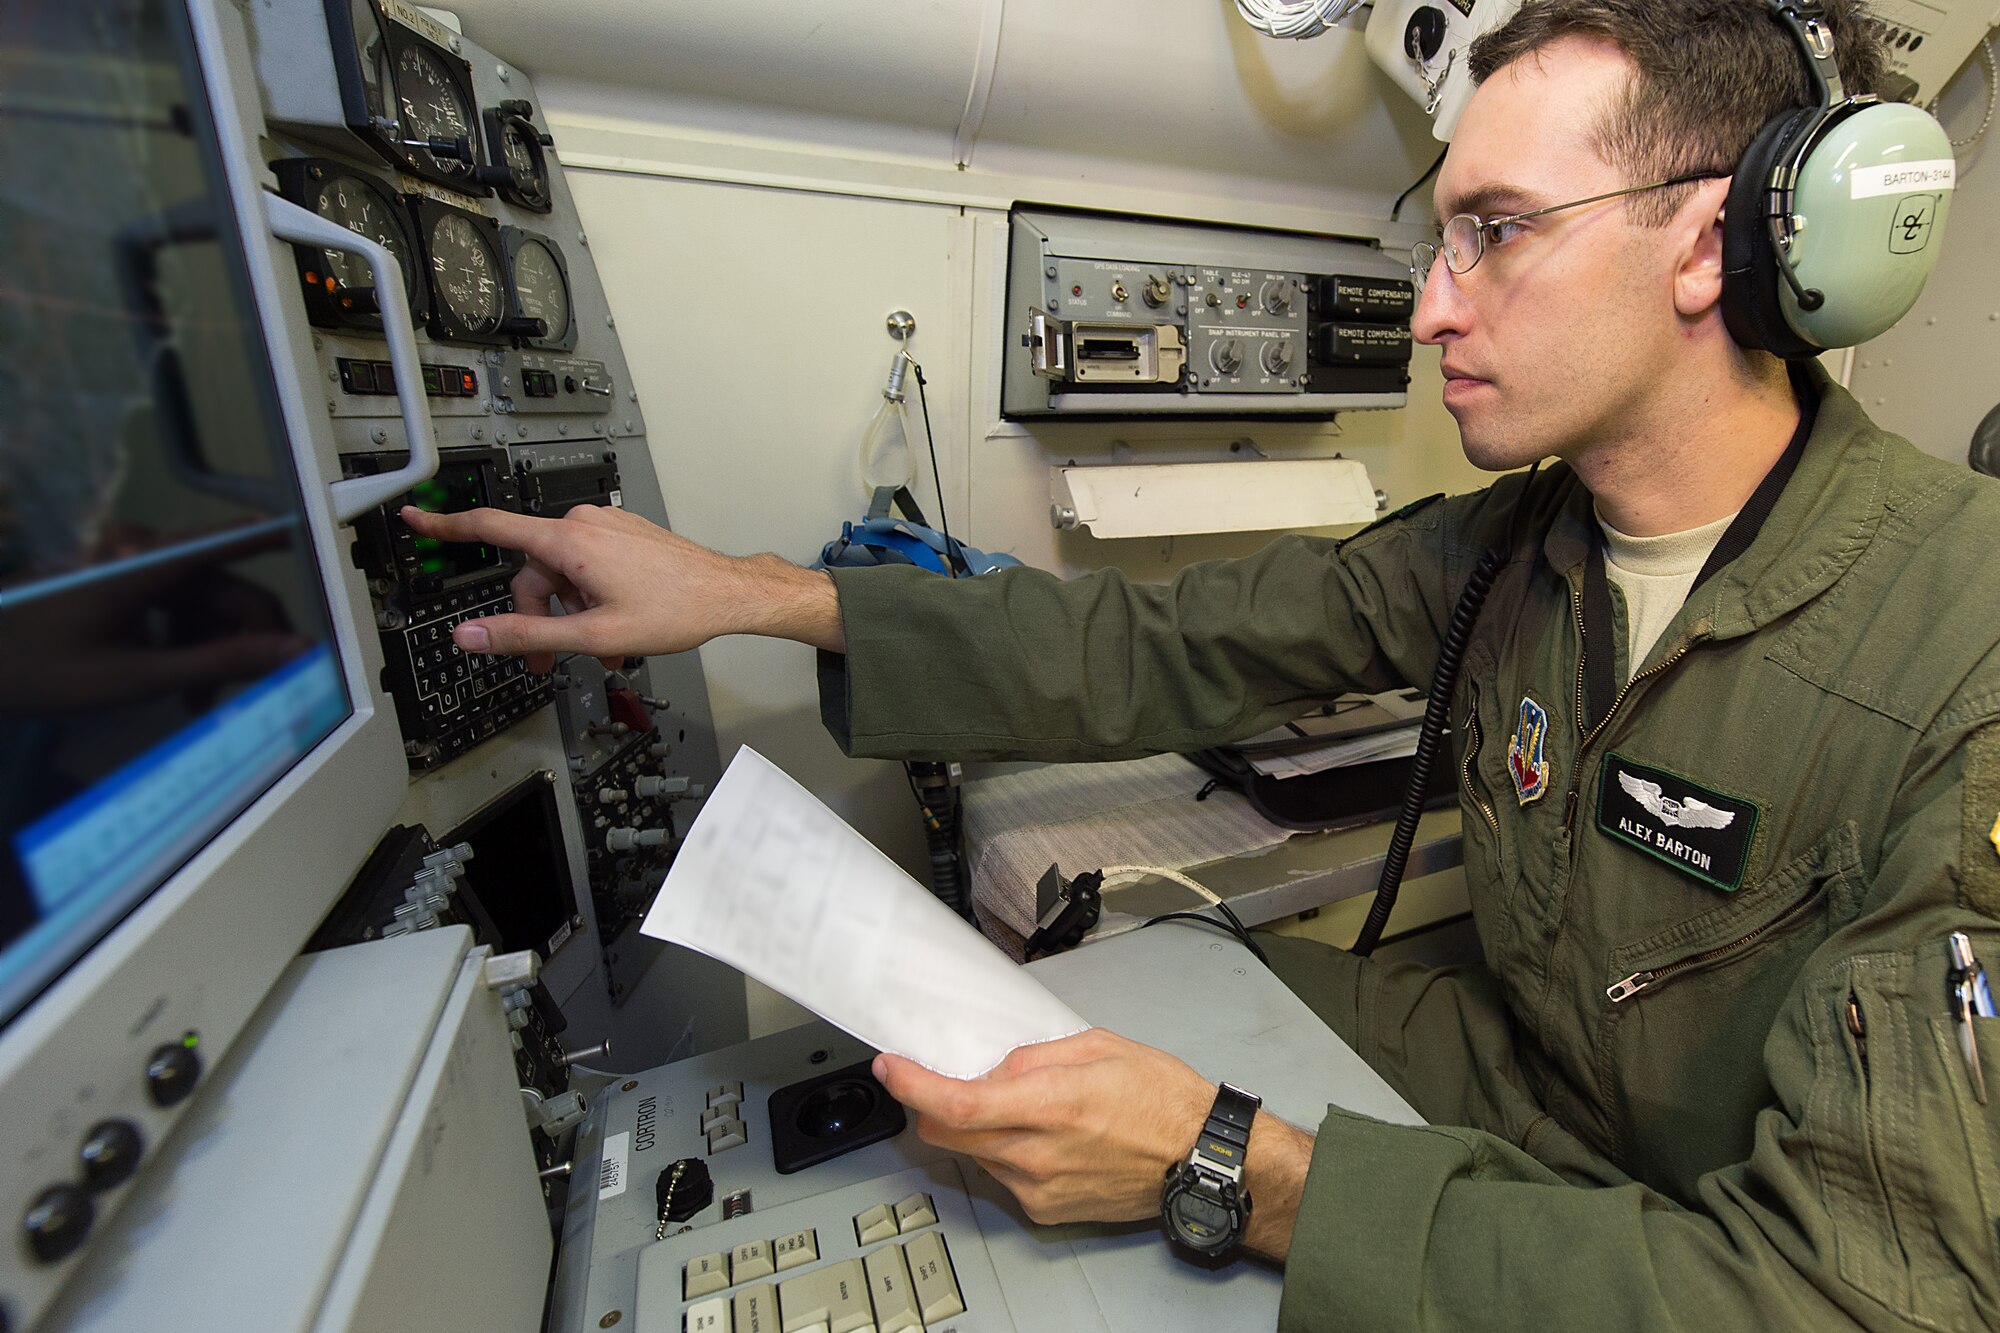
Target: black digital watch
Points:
x,y
1205,1204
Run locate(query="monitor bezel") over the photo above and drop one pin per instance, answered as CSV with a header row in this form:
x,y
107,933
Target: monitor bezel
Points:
x,y
201,953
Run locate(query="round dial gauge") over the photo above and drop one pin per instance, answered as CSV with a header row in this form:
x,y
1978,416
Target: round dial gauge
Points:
x,y
540,291
433,107
522,153
465,274
362,210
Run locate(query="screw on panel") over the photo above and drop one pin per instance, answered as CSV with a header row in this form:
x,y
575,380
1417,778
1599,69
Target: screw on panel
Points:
x,y
504,73
379,435
611,1319
610,322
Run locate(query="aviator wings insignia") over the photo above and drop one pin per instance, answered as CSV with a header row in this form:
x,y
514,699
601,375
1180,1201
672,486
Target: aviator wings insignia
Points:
x,y
1690,813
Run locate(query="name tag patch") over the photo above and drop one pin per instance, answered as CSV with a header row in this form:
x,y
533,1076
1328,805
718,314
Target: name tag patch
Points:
x,y
1696,830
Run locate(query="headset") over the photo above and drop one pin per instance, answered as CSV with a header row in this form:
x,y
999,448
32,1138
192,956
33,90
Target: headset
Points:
x,y
1834,214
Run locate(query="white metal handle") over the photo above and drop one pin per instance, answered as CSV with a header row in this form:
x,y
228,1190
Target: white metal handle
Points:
x,y
357,495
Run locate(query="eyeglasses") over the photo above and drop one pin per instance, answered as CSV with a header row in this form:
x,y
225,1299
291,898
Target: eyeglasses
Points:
x,y
1464,236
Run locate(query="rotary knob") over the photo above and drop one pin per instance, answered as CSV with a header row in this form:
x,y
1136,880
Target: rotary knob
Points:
x,y
58,1222
1278,357
1226,356
1156,290
1278,296
110,1154
171,1074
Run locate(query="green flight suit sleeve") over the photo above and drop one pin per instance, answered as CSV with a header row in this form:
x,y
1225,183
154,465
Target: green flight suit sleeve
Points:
x,y
1443,1038
1021,664
1868,1200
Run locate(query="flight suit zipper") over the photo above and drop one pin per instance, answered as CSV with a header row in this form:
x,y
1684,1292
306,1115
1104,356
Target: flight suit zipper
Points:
x,y
1626,987
1696,635
1465,765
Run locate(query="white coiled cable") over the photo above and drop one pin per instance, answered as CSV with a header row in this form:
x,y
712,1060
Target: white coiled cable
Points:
x,y
1296,19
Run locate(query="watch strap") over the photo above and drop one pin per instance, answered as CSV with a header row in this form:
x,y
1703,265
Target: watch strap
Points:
x,y
1225,1137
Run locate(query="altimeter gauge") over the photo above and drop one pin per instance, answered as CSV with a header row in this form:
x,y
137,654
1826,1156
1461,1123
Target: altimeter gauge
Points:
x,y
339,286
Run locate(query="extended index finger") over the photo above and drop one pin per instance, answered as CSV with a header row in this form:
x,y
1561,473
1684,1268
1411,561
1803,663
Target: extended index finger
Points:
x,y
521,532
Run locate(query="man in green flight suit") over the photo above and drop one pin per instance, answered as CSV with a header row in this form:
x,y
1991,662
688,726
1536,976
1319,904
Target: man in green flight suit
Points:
x,y
1728,734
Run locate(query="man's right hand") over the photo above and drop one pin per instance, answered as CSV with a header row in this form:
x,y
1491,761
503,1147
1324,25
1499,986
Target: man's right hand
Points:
x,y
630,588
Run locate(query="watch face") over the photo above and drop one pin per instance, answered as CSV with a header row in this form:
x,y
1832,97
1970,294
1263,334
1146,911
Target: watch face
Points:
x,y
1202,1212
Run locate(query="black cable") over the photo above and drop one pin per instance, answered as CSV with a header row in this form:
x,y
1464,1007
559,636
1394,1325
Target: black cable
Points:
x,y
1396,210
930,441
1437,708
1235,929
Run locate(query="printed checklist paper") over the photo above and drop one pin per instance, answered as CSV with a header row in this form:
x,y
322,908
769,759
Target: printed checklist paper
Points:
x,y
776,885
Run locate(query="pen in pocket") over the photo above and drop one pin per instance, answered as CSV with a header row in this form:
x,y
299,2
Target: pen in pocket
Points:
x,y
1970,997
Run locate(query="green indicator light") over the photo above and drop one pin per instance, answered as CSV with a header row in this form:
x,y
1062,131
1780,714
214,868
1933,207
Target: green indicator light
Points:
x,y
191,1040
432,565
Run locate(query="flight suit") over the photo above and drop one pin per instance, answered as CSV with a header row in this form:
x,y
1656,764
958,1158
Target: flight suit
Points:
x,y
1706,1077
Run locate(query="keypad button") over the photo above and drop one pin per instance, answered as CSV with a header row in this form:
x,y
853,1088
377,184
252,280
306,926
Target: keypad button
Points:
x,y
757,1309
705,1274
915,1213
877,1223
889,1287
930,1270
711,1316
726,1134
801,1247
729,1093
835,1296
751,1259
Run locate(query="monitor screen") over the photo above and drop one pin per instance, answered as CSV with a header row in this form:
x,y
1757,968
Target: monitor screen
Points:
x,y
165,647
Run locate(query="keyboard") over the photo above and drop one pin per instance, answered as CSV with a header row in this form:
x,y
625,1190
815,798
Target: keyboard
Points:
x,y
895,1235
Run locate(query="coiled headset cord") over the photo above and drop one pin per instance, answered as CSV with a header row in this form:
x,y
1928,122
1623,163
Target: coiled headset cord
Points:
x,y
1437,711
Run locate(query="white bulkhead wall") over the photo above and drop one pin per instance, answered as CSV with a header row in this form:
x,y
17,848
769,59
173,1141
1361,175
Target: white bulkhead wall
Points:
x,y
763,182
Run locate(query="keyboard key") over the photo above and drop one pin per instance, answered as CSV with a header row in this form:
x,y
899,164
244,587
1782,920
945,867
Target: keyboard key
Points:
x,y
729,1093
835,1296
710,1316
757,1309
801,1247
877,1223
930,1269
751,1259
915,1213
890,1289
725,1134
705,1274
715,1114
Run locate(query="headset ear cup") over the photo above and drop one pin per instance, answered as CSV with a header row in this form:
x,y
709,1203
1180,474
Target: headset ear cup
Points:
x,y
1750,278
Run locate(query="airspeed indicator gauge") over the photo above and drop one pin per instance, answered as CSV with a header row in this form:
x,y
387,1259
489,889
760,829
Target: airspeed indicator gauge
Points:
x,y
435,108
405,93
339,285
462,262
540,284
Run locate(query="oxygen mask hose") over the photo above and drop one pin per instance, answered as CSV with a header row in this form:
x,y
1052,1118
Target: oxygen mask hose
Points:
x,y
1437,711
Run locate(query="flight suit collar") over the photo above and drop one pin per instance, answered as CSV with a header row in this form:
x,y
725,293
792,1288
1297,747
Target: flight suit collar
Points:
x,y
1817,527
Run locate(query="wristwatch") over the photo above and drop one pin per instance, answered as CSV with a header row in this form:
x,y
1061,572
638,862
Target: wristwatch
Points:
x,y
1204,1202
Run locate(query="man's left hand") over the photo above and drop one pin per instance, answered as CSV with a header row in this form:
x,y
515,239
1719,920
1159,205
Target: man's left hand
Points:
x,y
1080,1129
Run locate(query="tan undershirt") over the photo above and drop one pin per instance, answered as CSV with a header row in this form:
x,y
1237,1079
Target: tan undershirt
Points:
x,y
1655,575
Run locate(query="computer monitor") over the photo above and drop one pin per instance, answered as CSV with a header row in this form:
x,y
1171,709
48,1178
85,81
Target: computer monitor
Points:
x,y
192,762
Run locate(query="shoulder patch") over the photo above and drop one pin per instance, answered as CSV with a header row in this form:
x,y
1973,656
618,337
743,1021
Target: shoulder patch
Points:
x,y
1979,839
